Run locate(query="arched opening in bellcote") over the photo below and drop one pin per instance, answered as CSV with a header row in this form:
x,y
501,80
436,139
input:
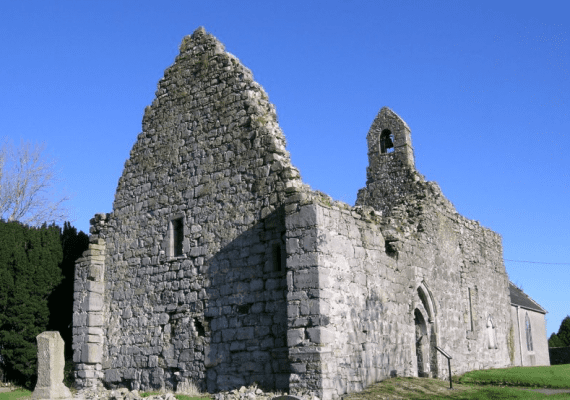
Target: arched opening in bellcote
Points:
x,y
386,142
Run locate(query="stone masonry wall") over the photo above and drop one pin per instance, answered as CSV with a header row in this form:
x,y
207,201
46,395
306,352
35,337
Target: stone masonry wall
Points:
x,y
353,293
368,300
218,266
89,310
392,278
194,279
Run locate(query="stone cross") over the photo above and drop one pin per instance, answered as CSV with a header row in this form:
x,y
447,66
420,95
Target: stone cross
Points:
x,y
50,368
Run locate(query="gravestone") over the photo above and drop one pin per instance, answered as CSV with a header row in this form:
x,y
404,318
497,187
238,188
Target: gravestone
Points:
x,y
50,368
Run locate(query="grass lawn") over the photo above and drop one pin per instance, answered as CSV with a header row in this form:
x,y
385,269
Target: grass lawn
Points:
x,y
554,376
426,388
185,397
18,394
482,384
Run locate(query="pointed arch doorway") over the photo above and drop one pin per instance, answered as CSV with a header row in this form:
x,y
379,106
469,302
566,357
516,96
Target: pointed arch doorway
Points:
x,y
425,333
422,345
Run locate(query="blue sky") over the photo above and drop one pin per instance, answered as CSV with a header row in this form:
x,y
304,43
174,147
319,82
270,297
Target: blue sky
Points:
x,y
484,86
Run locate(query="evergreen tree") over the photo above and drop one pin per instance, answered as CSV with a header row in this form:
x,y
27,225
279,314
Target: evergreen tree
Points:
x,y
554,341
29,271
564,331
61,300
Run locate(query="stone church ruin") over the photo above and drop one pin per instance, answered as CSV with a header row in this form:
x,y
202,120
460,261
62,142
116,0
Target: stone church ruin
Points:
x,y
218,266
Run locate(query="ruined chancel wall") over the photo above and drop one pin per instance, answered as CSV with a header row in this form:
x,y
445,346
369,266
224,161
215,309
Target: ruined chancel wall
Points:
x,y
373,296
219,267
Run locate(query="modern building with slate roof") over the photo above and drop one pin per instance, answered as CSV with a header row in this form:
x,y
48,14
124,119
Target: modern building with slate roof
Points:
x,y
529,325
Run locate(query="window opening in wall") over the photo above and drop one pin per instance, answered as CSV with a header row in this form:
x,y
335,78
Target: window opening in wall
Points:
x,y
471,309
277,258
244,308
528,334
177,227
199,327
386,141
391,249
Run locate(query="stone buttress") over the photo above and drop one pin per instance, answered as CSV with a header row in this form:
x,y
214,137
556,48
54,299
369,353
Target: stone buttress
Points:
x,y
89,306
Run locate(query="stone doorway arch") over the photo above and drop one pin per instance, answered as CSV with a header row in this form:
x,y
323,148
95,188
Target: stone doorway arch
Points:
x,y
424,314
422,344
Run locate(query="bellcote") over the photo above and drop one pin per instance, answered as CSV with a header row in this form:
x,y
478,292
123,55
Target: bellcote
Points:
x,y
389,137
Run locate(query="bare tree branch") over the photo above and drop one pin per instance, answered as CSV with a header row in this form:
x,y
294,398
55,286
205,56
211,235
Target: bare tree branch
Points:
x,y
27,179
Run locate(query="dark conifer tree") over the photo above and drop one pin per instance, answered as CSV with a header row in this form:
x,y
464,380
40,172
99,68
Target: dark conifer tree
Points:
x,y
554,341
29,271
61,299
564,331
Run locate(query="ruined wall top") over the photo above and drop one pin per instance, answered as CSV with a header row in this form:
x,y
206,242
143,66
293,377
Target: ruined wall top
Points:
x,y
210,136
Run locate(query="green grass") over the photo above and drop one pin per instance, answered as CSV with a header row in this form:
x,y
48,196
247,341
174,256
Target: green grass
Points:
x,y
147,394
426,388
18,394
482,384
554,376
185,397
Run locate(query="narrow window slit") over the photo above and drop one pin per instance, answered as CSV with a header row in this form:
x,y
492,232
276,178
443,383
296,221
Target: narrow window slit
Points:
x,y
177,226
529,346
471,309
277,258
199,328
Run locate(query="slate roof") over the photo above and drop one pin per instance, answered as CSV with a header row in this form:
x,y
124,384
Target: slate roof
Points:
x,y
521,299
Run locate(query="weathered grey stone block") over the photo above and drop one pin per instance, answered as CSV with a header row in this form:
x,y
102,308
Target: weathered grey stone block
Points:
x,y
94,339
97,287
95,319
112,375
51,362
92,353
79,319
93,302
306,279
295,336
95,272
245,333
304,218
86,373
321,335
